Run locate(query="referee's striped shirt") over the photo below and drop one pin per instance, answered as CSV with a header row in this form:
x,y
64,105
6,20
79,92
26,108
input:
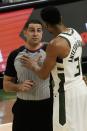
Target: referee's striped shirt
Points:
x,y
14,67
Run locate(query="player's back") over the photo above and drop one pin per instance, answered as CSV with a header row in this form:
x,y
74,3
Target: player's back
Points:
x,y
70,91
68,70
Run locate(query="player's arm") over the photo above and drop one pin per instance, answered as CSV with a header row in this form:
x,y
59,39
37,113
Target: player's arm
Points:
x,y
50,61
57,48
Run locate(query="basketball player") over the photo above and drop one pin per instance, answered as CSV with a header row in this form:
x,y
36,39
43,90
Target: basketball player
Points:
x,y
33,107
63,60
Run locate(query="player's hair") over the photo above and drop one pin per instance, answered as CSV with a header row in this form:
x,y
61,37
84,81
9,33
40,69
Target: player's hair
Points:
x,y
51,15
33,21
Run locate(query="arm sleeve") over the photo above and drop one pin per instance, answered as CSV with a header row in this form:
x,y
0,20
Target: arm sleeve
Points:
x,y
10,69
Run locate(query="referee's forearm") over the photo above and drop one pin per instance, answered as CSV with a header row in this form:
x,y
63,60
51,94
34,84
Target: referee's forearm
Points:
x,y
9,86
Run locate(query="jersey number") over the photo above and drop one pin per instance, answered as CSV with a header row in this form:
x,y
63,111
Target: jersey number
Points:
x,y
77,66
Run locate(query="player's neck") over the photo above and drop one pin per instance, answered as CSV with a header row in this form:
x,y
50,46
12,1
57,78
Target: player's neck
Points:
x,y
60,29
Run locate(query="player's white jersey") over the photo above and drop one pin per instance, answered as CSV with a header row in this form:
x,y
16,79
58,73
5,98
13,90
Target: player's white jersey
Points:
x,y
70,91
68,70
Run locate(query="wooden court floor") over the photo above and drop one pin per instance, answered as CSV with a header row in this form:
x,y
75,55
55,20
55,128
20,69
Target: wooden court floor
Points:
x,y
6,114
6,127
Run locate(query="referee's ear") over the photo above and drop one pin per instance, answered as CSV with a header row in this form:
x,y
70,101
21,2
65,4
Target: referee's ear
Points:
x,y
25,32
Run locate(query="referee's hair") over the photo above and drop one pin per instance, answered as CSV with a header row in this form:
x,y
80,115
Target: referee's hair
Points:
x,y
32,21
51,15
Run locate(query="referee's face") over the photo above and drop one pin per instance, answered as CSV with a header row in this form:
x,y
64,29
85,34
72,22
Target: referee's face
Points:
x,y
34,34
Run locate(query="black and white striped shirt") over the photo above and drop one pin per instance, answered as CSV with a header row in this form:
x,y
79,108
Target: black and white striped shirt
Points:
x,y
14,68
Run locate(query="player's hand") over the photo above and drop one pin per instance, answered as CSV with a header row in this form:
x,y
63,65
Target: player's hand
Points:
x,y
26,85
29,62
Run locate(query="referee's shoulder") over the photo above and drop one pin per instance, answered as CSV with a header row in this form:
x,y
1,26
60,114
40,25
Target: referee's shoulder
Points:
x,y
14,52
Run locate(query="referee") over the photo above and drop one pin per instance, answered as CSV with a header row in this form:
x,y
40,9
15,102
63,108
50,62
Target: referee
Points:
x,y
33,107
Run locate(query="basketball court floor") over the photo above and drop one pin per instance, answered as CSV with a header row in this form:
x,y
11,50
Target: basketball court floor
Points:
x,y
6,127
6,115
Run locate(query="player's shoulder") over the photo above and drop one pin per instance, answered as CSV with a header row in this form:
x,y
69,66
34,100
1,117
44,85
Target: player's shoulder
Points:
x,y
59,46
52,46
56,42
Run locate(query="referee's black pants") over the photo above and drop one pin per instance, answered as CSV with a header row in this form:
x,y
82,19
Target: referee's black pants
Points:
x,y
32,115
